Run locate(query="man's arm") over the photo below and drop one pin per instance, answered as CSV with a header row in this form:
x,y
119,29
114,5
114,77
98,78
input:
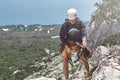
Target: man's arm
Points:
x,y
63,34
84,35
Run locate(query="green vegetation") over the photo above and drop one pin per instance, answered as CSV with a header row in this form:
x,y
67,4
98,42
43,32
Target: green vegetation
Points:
x,y
19,49
107,10
113,40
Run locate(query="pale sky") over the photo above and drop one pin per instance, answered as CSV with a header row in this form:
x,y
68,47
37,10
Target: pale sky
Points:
x,y
43,11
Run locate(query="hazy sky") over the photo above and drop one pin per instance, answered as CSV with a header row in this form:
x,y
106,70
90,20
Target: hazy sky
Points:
x,y
42,11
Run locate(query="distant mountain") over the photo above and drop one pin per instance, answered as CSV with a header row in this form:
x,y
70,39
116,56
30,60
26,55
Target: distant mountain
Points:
x,y
20,27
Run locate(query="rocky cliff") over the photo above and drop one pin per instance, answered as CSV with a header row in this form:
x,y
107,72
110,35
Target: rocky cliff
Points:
x,y
104,22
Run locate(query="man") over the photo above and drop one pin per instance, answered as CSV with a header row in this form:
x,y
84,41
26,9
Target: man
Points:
x,y
72,35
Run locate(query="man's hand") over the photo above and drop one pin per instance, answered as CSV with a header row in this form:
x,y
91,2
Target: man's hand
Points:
x,y
84,43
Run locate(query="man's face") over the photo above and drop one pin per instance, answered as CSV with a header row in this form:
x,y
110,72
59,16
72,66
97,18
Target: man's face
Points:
x,y
73,21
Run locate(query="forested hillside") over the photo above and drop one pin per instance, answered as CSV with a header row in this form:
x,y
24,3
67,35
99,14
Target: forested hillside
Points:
x,y
23,45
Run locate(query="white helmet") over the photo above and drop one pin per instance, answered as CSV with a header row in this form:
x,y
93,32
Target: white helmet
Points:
x,y
71,13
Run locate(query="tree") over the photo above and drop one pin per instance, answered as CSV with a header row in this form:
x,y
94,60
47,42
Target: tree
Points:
x,y
108,10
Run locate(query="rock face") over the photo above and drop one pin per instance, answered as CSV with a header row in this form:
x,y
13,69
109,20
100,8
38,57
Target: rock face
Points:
x,y
107,61
98,33
104,22
43,78
101,52
107,73
53,70
108,65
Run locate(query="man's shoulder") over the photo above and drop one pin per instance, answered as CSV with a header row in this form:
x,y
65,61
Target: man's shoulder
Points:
x,y
66,22
78,20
